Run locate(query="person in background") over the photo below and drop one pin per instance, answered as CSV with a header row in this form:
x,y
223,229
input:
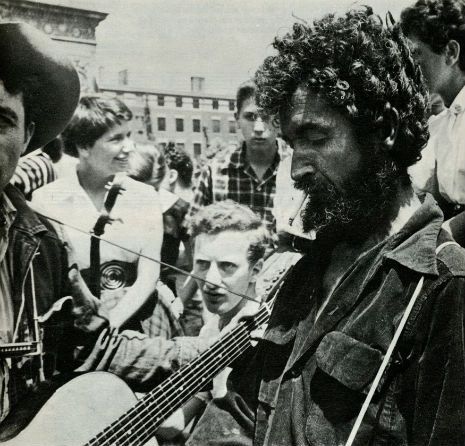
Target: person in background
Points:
x,y
37,168
353,106
436,29
248,175
229,246
178,179
124,274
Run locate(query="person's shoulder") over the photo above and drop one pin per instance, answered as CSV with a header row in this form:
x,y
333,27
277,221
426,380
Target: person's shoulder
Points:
x,y
60,185
452,255
133,186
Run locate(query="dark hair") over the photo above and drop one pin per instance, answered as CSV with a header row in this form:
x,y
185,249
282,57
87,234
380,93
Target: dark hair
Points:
x,y
93,117
27,85
54,149
231,216
359,66
179,160
436,22
142,161
245,91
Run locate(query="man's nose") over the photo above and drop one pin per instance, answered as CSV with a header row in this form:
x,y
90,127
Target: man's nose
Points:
x,y
213,276
301,167
259,126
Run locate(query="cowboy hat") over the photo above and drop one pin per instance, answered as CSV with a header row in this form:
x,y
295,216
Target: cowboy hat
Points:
x,y
31,63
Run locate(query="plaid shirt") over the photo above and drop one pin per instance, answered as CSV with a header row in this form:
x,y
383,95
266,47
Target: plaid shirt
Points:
x,y
234,178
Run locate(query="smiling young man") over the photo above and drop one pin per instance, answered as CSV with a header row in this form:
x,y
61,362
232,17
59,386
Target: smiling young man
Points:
x,y
99,135
353,107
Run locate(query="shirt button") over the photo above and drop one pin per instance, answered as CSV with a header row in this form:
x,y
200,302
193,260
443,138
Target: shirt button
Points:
x,y
457,108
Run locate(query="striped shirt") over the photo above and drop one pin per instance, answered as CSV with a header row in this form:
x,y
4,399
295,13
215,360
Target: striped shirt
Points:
x,y
33,171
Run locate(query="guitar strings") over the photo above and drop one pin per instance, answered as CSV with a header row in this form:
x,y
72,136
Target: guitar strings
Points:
x,y
210,353
146,419
239,343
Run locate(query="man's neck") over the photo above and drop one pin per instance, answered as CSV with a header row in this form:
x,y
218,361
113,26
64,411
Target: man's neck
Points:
x,y
453,88
261,159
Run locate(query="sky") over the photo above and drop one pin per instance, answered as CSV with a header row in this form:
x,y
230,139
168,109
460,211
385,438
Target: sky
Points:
x,y
163,43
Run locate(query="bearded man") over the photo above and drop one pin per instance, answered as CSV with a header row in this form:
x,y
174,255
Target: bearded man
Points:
x,y
353,106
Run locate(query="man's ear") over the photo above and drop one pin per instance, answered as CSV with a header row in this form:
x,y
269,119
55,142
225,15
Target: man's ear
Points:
x,y
82,151
452,52
388,124
173,176
256,270
28,133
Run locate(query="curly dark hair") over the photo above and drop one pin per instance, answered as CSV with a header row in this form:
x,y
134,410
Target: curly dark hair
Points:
x,y
436,22
179,160
359,66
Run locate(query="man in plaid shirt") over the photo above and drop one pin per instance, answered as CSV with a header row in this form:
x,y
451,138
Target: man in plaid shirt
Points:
x,y
248,175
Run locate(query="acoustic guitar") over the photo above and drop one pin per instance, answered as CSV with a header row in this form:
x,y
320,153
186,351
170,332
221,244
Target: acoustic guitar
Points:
x,y
99,409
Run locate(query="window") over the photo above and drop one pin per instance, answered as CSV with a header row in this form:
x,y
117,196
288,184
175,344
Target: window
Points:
x,y
161,101
216,125
180,145
215,104
178,101
232,126
231,105
196,125
197,149
196,103
179,124
161,124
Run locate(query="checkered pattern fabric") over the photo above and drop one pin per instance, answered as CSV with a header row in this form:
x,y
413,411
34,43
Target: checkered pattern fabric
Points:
x,y
233,178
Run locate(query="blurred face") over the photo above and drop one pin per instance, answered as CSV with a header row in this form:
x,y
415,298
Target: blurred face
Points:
x,y
13,135
433,65
110,153
258,134
222,260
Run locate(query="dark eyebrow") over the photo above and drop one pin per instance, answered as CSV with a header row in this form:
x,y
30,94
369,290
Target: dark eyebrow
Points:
x,y
9,113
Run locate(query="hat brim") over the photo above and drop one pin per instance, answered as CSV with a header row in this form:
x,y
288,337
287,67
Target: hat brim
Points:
x,y
26,53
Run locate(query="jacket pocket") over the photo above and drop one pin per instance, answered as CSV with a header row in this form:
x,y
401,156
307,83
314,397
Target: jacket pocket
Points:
x,y
352,363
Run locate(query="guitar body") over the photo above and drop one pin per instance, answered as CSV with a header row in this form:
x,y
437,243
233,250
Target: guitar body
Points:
x,y
78,411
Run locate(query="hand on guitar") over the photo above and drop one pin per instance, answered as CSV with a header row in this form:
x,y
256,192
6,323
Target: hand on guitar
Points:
x,y
88,310
247,313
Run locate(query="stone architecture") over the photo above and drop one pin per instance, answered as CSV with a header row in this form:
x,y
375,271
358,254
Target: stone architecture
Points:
x,y
187,118
67,22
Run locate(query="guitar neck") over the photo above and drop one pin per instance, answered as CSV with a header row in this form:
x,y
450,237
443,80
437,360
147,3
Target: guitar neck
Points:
x,y
140,423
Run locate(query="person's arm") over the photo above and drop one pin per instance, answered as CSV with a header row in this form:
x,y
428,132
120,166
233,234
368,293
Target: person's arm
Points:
x,y
203,194
437,398
148,271
180,419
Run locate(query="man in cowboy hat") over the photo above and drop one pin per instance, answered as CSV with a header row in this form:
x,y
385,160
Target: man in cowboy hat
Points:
x,y
39,90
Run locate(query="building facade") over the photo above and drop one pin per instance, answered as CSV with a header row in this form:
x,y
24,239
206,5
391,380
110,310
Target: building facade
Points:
x,y
192,120
67,22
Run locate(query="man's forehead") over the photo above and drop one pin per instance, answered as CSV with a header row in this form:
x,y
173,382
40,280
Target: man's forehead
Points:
x,y
229,244
307,105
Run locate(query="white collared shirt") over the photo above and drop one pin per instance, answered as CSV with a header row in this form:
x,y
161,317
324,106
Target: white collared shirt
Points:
x,y
444,154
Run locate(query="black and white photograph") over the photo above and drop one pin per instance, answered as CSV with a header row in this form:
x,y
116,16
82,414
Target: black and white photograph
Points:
x,y
232,222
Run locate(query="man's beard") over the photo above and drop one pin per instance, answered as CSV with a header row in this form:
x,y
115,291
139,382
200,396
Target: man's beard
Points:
x,y
363,209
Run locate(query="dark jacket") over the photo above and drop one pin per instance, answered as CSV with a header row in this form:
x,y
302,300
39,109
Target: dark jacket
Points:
x,y
312,377
35,250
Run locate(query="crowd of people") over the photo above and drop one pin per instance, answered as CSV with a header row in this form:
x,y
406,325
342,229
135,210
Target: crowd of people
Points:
x,y
318,268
